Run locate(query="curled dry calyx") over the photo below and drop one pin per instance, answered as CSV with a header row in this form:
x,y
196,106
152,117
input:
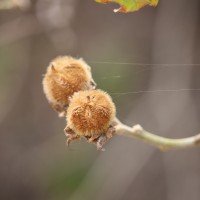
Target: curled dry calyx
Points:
x,y
70,90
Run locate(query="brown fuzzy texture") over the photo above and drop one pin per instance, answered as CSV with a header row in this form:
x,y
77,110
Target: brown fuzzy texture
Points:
x,y
65,76
90,113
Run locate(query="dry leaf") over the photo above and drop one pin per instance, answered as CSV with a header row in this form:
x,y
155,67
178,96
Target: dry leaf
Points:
x,y
130,5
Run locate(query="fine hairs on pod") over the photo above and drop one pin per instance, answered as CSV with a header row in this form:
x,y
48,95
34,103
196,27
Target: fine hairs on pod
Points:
x,y
66,75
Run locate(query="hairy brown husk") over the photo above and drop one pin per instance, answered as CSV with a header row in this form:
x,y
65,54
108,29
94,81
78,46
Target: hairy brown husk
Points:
x,y
65,76
90,112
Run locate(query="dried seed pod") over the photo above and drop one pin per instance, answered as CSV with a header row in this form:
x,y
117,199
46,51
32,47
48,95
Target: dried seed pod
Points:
x,y
90,114
66,75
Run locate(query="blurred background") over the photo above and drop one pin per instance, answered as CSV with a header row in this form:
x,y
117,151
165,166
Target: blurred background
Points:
x,y
152,49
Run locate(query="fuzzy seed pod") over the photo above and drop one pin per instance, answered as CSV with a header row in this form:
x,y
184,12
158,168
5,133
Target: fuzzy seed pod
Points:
x,y
90,113
65,76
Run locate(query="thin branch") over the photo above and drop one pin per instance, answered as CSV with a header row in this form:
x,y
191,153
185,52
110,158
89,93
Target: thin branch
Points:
x,y
10,4
160,142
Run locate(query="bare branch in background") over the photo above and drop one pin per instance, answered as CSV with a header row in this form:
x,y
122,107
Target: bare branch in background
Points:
x,y
10,4
56,17
50,17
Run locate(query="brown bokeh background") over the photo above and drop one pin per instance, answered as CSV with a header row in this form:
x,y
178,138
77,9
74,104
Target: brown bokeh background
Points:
x,y
34,161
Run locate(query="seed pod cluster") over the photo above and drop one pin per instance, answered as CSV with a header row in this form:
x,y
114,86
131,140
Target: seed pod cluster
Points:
x,y
70,90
